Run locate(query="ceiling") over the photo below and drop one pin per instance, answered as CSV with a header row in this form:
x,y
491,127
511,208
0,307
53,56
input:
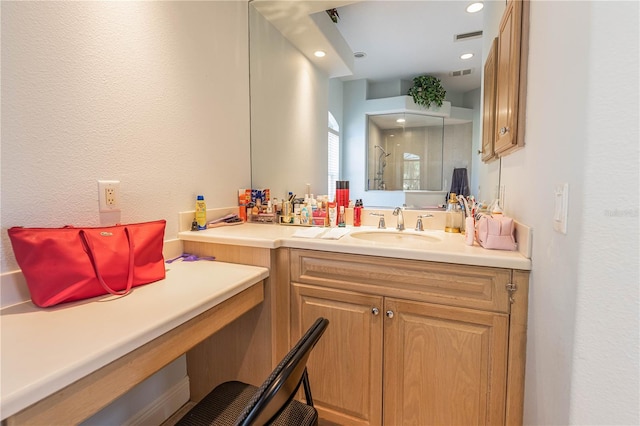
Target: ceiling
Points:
x,y
401,39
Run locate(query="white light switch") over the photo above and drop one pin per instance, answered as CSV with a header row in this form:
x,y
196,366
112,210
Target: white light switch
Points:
x,y
561,207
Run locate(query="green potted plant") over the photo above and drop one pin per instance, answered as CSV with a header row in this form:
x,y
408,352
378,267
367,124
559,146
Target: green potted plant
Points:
x,y
427,90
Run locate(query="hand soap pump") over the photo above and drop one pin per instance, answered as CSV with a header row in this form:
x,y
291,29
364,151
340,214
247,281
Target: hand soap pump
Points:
x,y
454,215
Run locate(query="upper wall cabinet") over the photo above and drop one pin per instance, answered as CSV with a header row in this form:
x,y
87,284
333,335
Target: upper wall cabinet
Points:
x,y
489,105
511,72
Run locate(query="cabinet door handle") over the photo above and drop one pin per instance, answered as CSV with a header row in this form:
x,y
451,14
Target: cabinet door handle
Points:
x,y
504,131
389,314
375,311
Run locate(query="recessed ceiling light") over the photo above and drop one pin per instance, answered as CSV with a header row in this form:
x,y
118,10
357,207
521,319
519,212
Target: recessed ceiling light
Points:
x,y
359,55
400,120
320,53
475,7
466,56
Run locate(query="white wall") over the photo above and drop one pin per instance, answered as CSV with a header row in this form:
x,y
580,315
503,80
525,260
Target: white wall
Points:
x,y
581,128
154,94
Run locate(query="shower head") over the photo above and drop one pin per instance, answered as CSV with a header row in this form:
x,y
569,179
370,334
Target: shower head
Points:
x,y
382,149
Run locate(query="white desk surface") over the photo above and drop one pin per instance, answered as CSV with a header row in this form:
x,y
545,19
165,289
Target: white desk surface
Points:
x,y
44,350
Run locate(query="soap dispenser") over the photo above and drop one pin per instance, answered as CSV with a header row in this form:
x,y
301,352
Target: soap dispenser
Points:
x,y
454,215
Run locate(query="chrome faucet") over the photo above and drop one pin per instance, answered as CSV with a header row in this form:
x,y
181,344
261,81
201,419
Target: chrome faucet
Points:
x,y
381,223
398,212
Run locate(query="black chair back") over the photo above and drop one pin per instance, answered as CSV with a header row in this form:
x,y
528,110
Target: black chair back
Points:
x,y
283,383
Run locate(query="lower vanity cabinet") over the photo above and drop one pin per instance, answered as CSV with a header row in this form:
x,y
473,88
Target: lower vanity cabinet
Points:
x,y
443,365
345,367
409,342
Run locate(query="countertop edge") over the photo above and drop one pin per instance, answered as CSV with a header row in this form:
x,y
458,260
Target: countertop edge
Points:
x,y
467,255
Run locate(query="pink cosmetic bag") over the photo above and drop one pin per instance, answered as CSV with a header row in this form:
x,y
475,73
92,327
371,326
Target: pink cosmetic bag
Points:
x,y
496,232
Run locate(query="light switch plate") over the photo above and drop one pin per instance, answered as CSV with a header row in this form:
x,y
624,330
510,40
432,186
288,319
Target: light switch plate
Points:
x,y
561,207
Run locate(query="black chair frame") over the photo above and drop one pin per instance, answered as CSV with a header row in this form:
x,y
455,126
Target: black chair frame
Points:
x,y
273,401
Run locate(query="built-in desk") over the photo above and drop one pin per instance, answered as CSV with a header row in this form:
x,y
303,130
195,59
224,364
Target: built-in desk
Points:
x,y
62,364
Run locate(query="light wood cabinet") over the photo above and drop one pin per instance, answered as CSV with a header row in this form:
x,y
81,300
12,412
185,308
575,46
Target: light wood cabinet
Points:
x,y
411,342
443,365
489,105
350,352
511,72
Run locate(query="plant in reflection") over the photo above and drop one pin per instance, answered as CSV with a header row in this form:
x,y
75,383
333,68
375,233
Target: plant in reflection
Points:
x,y
427,90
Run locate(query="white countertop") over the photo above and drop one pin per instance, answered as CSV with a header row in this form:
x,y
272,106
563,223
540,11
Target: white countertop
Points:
x,y
44,350
449,249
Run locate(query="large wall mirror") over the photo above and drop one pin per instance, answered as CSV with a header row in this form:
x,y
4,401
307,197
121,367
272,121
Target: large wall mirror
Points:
x,y
372,54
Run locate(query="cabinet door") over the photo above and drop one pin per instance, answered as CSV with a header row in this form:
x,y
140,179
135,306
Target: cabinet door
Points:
x,y
345,367
489,105
508,77
443,365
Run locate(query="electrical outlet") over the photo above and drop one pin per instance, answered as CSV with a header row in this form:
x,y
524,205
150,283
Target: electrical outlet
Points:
x,y
109,195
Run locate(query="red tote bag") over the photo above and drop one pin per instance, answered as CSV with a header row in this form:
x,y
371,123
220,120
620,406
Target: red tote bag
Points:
x,y
66,264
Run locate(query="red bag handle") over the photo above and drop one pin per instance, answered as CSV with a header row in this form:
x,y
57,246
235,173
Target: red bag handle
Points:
x,y
89,250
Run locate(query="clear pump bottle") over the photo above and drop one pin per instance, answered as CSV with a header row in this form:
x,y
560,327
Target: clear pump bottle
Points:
x,y
454,215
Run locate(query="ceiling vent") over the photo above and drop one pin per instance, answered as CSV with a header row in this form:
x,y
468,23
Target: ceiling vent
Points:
x,y
467,36
460,73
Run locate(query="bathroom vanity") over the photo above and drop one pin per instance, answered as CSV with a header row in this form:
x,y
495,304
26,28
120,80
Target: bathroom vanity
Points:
x,y
423,331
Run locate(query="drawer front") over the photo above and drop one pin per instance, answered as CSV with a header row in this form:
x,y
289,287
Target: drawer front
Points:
x,y
449,284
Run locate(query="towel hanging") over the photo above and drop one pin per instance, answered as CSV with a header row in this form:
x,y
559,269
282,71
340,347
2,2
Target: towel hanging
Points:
x,y
460,182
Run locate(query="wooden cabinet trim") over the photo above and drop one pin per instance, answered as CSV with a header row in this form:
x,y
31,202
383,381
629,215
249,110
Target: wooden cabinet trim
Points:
x,y
456,285
517,349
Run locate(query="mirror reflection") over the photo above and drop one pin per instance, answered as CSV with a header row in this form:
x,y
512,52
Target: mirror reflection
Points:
x,y
404,152
292,93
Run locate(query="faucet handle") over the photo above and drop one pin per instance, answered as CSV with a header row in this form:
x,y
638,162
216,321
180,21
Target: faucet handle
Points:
x,y
381,223
419,226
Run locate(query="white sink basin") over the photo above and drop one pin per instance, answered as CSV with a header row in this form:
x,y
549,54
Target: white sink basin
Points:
x,y
395,237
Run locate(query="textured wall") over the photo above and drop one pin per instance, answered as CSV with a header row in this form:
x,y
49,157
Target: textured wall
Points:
x,y
581,128
154,94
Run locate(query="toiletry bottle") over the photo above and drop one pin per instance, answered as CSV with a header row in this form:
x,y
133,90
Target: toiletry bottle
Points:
x,y
286,211
333,214
470,231
357,213
304,214
341,222
201,212
242,205
453,215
